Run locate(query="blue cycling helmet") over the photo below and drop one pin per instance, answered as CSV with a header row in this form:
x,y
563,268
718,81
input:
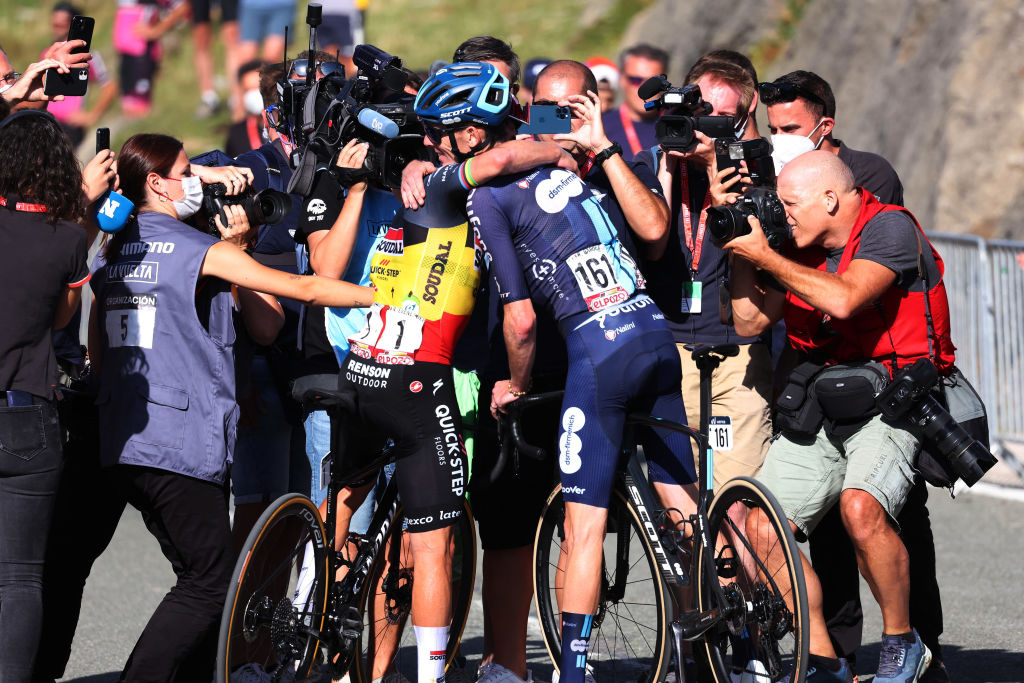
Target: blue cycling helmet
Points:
x,y
465,92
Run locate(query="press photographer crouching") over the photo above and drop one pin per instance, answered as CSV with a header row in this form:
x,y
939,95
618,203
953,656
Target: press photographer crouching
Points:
x,y
162,339
861,292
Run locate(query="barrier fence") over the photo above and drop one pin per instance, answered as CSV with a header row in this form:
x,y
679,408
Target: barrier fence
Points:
x,y
985,286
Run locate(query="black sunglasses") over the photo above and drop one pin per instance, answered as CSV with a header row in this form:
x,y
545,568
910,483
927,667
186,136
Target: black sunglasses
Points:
x,y
773,93
300,66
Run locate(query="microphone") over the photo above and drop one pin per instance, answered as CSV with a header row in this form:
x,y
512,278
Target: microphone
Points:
x,y
652,86
377,122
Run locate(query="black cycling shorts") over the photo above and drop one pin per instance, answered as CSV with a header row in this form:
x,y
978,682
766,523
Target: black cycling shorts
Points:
x,y
416,406
201,10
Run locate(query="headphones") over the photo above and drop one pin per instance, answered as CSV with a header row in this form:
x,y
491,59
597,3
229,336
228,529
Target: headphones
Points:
x,y
26,112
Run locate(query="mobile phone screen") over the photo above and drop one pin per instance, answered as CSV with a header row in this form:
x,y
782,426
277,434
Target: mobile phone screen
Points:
x,y
81,29
102,139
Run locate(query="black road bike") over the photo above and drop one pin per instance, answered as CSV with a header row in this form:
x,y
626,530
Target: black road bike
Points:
x,y
737,591
300,609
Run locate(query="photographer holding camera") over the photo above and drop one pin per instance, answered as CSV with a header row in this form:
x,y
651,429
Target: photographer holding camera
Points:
x,y
856,287
687,279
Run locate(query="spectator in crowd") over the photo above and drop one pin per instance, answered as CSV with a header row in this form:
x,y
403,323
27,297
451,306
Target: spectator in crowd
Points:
x,y
202,55
341,30
855,285
44,267
262,24
801,115
21,90
531,70
493,51
164,350
631,125
687,278
73,115
138,26
247,134
607,75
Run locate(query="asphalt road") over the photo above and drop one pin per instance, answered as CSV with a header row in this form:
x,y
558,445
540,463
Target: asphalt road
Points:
x,y
980,561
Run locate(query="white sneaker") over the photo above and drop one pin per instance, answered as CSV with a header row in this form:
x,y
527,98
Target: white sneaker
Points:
x,y
754,673
250,673
587,677
492,672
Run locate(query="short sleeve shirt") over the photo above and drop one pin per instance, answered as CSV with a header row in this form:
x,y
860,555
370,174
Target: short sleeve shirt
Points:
x,y
38,260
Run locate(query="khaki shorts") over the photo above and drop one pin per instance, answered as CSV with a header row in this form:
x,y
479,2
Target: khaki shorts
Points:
x,y
740,391
809,477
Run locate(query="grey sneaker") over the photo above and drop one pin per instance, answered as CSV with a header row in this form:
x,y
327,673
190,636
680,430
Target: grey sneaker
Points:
x,y
900,661
492,672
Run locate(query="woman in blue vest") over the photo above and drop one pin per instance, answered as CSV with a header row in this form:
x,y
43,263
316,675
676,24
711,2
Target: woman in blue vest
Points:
x,y
162,335
42,268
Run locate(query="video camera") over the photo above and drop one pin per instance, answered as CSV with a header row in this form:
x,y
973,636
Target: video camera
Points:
x,y
726,222
321,116
909,396
685,113
268,207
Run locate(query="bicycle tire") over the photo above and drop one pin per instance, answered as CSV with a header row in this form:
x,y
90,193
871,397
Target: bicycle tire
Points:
x,y
397,601
630,639
259,625
772,626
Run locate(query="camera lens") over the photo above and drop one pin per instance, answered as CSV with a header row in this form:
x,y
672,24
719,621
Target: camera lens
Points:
x,y
726,222
269,207
968,458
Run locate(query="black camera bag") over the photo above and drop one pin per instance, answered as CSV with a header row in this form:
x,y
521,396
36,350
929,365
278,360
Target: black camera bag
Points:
x,y
846,393
797,412
959,397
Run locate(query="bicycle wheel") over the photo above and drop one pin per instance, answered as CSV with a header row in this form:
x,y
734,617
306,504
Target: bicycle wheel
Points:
x,y
757,564
275,605
387,643
629,639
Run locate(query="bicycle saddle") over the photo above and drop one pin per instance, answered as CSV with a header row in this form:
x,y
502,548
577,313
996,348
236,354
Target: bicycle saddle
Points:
x,y
319,392
704,350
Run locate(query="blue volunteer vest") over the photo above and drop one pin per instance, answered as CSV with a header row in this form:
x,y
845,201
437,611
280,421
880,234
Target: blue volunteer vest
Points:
x,y
167,385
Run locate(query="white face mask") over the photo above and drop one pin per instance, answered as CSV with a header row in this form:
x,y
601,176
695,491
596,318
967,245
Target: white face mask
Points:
x,y
253,101
786,146
193,199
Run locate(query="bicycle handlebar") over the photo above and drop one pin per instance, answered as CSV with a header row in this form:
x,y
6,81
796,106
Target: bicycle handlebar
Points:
x,y
509,425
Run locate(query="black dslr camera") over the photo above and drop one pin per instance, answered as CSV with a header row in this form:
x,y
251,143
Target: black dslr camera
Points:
x,y
268,207
685,113
321,116
909,397
726,222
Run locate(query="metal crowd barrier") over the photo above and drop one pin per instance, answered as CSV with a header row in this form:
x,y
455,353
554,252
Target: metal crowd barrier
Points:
x,y
985,286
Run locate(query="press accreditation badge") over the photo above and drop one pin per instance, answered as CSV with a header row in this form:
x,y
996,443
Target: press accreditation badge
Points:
x,y
691,298
720,433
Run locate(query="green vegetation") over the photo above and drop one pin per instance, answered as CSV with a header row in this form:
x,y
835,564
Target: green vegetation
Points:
x,y
768,50
418,31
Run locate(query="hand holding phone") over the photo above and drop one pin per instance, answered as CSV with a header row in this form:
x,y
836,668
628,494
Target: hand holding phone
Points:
x,y
102,139
75,83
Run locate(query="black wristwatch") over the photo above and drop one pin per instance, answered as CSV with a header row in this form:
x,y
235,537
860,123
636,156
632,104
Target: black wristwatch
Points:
x,y
606,153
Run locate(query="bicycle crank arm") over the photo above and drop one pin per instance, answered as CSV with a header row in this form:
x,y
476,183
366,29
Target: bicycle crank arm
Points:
x,y
693,625
677,642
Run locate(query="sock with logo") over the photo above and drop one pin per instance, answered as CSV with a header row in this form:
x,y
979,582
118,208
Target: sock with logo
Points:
x,y
826,663
575,637
431,643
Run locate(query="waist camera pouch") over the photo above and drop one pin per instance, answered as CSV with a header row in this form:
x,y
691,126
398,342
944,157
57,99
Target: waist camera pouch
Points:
x,y
796,410
846,394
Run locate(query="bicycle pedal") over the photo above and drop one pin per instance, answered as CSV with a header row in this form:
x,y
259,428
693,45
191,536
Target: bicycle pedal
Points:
x,y
727,567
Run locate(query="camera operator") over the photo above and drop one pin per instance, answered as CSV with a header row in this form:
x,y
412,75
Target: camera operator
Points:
x,y
162,339
801,115
631,125
686,281
857,281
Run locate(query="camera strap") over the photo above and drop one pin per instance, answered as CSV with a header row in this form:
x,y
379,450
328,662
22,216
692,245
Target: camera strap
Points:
x,y
27,207
922,273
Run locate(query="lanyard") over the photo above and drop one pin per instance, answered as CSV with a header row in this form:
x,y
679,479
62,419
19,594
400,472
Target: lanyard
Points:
x,y
587,165
253,130
696,246
25,206
627,126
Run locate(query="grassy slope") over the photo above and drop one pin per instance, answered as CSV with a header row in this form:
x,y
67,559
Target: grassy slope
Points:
x,y
419,31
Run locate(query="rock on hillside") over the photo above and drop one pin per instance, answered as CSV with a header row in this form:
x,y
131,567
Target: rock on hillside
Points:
x,y
928,84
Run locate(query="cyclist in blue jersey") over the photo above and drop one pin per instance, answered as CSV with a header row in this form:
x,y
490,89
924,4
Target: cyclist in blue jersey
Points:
x,y
553,242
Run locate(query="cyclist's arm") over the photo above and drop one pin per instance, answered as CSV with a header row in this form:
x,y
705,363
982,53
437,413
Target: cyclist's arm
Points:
x,y
514,156
520,329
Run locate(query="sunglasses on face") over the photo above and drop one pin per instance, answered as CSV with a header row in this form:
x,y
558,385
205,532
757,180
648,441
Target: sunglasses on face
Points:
x,y
435,133
301,66
635,81
774,93
11,77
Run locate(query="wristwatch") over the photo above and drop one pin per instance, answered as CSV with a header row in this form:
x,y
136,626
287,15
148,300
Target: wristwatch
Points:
x,y
606,153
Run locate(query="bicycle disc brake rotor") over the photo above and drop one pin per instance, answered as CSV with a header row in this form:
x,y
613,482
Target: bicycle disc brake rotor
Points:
x,y
399,596
773,615
258,611
735,609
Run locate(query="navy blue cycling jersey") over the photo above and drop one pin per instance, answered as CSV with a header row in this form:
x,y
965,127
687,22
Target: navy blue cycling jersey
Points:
x,y
550,237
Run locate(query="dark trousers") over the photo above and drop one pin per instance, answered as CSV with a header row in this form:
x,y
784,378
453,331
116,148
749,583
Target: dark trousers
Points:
x,y
189,518
85,517
30,465
835,562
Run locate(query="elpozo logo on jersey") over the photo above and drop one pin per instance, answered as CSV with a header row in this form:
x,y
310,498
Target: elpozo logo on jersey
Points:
x,y
553,194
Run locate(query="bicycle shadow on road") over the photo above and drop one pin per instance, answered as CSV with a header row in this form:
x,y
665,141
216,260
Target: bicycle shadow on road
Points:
x,y
964,664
